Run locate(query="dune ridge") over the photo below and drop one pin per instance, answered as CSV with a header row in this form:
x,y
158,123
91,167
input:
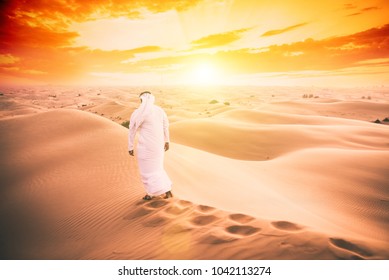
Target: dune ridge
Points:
x,y
263,141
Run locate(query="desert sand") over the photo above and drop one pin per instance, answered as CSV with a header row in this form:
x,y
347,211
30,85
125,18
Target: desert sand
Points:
x,y
258,173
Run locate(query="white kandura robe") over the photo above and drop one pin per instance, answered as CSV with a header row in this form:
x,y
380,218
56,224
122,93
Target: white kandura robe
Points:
x,y
153,133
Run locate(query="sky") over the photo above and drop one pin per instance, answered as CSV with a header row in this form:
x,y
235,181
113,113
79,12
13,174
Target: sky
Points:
x,y
194,42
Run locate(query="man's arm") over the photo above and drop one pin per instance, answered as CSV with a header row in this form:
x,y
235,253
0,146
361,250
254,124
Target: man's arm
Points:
x,y
166,133
131,135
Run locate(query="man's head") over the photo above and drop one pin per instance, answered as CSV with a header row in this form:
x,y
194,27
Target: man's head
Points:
x,y
143,93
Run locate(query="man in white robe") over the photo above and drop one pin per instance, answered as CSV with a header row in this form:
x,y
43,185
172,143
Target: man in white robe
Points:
x,y
153,126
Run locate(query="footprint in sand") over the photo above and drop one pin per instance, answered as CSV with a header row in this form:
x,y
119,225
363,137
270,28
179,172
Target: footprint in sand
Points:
x,y
241,218
203,220
351,247
185,203
146,208
216,238
155,204
286,226
176,210
242,230
205,208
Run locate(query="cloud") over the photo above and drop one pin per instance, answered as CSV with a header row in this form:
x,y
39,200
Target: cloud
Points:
x,y
369,9
59,11
46,23
364,10
6,59
221,39
349,6
66,64
375,62
35,42
329,54
280,31
146,49
37,34
354,14
143,53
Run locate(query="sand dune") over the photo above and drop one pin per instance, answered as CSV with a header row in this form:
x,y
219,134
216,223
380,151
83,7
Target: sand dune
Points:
x,y
315,187
359,110
249,182
52,173
268,136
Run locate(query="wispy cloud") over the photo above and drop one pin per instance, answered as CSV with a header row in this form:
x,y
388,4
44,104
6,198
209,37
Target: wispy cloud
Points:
x,y
146,49
280,31
73,62
309,55
364,10
349,6
221,39
8,59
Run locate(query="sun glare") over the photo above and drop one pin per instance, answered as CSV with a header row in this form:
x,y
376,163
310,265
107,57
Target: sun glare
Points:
x,y
204,74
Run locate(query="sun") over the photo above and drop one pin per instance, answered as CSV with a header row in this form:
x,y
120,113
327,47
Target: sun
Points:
x,y
204,74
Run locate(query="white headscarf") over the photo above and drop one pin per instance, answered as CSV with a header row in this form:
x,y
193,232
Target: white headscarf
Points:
x,y
145,108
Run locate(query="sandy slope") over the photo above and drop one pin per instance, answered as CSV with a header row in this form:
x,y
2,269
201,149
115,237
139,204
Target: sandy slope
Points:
x,y
252,135
331,190
56,167
70,191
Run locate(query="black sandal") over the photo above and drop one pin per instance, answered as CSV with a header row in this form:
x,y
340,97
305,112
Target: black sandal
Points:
x,y
168,194
147,197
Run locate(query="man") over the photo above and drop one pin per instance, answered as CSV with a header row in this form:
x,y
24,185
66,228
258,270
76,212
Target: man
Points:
x,y
153,126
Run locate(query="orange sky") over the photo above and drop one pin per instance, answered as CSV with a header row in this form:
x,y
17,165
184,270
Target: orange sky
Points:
x,y
241,42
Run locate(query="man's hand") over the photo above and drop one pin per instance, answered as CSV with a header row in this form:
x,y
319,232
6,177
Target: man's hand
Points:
x,y
166,146
131,152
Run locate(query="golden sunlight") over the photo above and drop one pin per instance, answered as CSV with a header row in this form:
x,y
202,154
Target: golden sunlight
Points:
x,y
204,74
